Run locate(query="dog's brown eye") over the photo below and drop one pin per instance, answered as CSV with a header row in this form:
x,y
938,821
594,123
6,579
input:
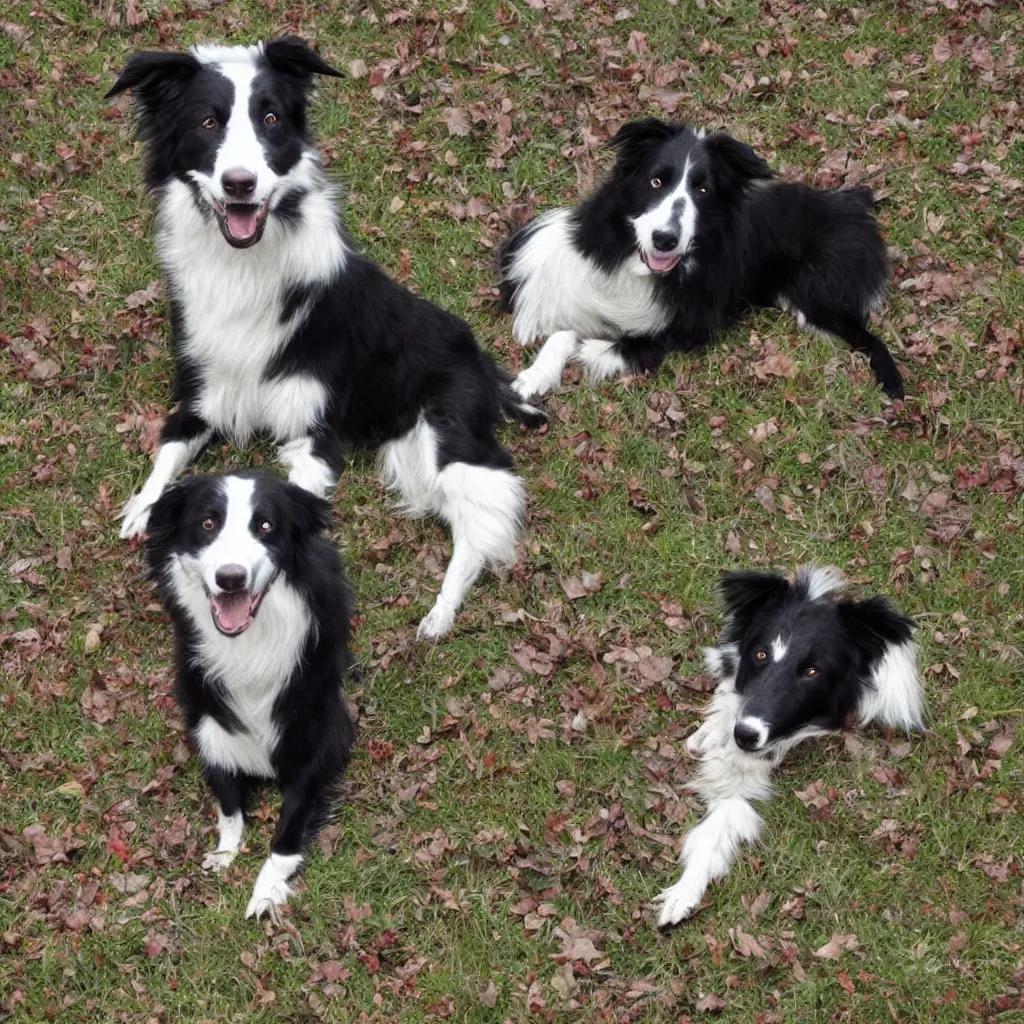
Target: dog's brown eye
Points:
x,y
811,672
210,122
655,182
761,655
271,118
266,526
209,523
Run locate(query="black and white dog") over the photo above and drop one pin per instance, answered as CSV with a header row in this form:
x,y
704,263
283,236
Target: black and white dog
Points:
x,y
281,327
687,233
795,661
260,611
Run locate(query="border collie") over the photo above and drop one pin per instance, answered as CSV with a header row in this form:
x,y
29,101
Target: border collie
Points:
x,y
687,233
260,611
795,661
281,327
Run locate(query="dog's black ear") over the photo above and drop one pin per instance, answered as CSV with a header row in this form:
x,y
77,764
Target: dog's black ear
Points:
x,y
310,514
635,139
892,693
291,56
166,513
153,73
737,157
746,593
873,626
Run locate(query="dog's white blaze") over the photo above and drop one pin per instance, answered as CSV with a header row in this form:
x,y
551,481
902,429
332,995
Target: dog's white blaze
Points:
x,y
236,544
241,147
897,697
779,649
271,888
483,507
560,289
676,212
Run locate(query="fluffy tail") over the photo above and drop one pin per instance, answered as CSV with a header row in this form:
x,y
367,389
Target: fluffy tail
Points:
x,y
513,407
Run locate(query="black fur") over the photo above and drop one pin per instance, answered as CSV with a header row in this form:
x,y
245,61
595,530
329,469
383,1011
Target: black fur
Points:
x,y
314,727
832,646
758,241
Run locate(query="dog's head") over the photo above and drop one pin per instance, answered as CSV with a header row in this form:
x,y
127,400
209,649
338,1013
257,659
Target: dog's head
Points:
x,y
228,120
224,541
676,182
803,661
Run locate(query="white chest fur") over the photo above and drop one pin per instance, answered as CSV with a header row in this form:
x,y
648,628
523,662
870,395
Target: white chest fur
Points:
x,y
231,302
562,290
253,668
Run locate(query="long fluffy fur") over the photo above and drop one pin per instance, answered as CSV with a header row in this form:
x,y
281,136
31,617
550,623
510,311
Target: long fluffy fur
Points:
x,y
290,331
587,277
883,687
267,705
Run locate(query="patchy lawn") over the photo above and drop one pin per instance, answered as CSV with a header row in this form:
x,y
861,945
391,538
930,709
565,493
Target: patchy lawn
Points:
x,y
516,798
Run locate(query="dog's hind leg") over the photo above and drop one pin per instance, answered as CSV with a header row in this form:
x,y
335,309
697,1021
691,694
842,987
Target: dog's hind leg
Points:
x,y
599,359
485,508
544,374
860,339
183,437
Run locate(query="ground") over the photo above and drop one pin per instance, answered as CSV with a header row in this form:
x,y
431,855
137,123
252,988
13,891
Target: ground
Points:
x,y
517,794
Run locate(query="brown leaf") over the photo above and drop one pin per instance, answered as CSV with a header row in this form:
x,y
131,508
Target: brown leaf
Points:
x,y
144,296
1001,742
775,365
941,50
744,944
98,702
836,946
488,995
44,369
654,670
845,982
47,849
710,1004
457,121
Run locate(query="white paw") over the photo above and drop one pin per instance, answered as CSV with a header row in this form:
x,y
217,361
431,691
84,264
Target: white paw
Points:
x,y
694,743
677,903
218,860
135,517
530,384
267,896
437,622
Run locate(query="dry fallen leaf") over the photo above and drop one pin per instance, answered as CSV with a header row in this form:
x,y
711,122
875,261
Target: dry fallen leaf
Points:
x,y
836,946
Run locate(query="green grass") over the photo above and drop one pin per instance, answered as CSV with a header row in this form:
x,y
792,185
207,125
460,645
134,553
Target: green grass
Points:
x,y
419,901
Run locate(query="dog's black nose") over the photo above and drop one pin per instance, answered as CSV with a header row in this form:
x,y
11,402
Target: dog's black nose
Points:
x,y
238,184
746,737
231,578
666,241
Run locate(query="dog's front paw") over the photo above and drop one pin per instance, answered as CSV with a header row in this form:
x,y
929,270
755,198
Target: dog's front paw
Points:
x,y
437,622
218,860
135,517
677,903
530,384
267,896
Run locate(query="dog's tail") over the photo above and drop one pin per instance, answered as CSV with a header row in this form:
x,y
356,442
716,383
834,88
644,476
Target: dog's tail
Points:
x,y
514,407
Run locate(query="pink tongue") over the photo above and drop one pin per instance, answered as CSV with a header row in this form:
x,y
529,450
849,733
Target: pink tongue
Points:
x,y
232,610
656,262
241,221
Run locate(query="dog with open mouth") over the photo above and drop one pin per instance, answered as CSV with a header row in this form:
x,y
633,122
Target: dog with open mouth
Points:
x,y
281,327
687,233
259,605
797,659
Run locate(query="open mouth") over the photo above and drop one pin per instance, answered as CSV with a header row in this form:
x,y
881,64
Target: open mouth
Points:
x,y
658,263
242,223
233,613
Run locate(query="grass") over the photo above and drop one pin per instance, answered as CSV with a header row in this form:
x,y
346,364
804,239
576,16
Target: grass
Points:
x,y
481,832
